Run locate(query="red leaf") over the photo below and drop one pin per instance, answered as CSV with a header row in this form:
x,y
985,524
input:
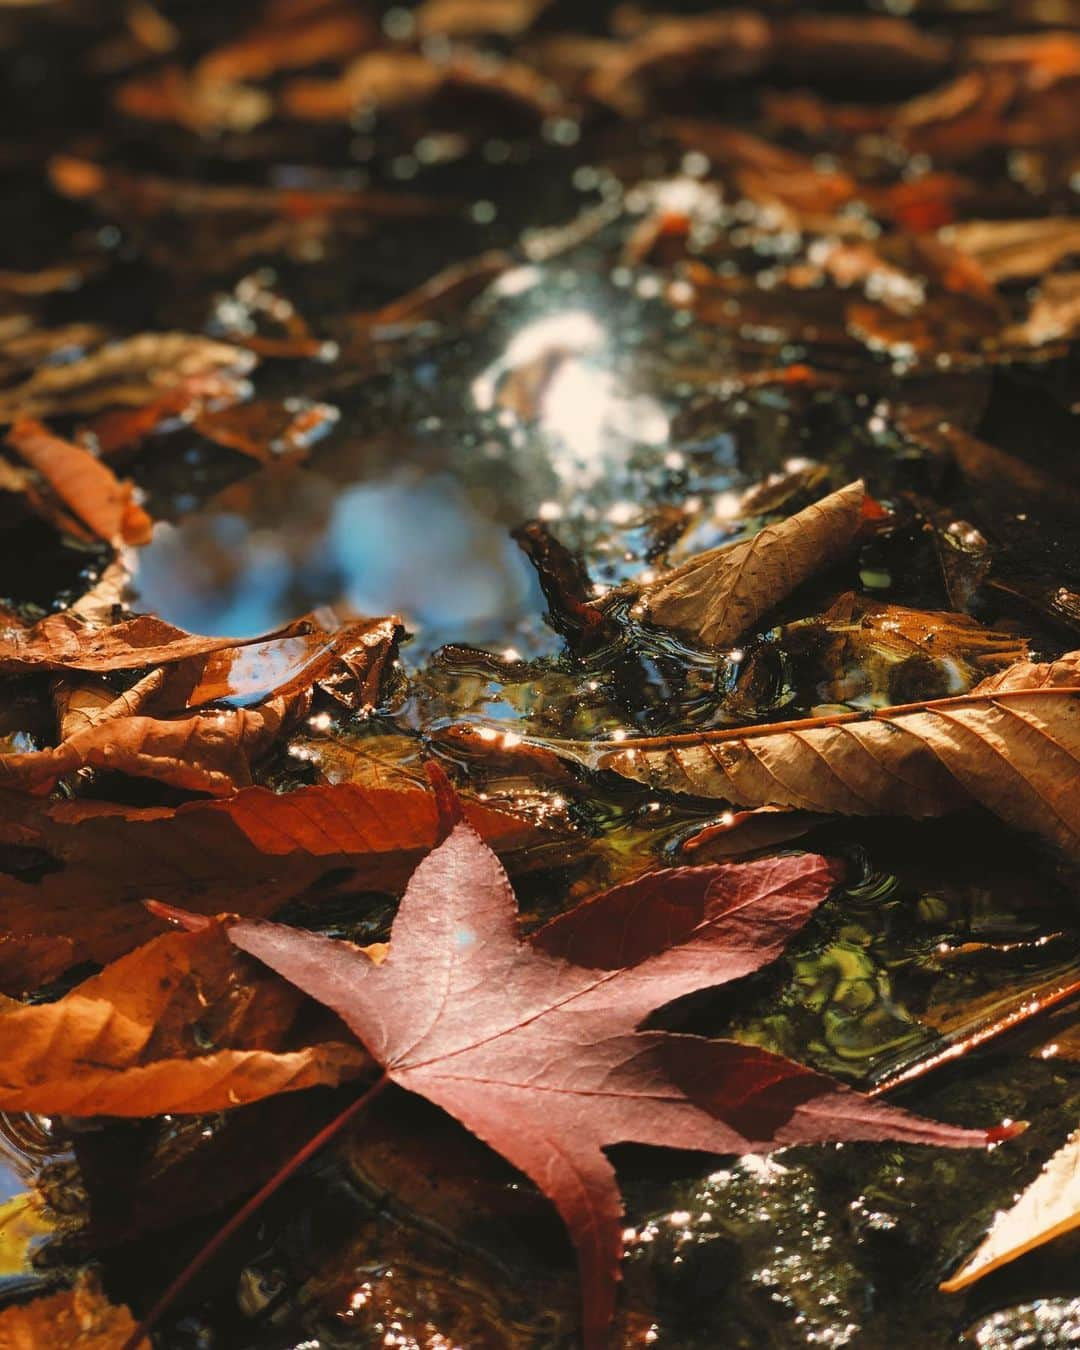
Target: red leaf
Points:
x,y
541,1058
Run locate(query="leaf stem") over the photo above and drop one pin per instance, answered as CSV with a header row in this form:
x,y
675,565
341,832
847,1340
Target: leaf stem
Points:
x,y
229,1229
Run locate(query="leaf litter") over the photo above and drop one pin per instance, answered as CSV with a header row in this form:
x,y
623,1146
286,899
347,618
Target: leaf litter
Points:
x,y
780,372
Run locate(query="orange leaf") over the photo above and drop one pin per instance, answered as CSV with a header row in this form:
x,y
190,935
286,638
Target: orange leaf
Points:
x,y
86,486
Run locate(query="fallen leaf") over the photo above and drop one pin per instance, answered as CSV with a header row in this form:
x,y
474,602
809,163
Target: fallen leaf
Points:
x,y
288,41
172,94
348,659
68,642
88,488
723,46
440,296
213,752
179,1025
1047,1209
76,870
1010,250
738,833
1011,745
541,1058
1054,315
265,430
127,373
718,595
79,1318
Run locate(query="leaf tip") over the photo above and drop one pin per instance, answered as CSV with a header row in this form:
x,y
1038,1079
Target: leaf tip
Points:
x,y
181,918
1008,1129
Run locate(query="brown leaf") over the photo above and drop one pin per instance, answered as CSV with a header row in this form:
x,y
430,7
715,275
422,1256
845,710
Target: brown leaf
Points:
x,y
130,373
248,853
441,295
718,595
65,642
1054,315
737,834
284,41
267,430
86,486
347,659
212,752
477,18
79,1318
1009,250
171,94
179,1025
1011,745
723,46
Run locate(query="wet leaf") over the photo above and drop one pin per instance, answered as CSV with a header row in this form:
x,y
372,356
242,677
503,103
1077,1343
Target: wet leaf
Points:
x,y
542,1058
213,752
248,853
179,1025
1010,745
88,488
68,642
126,373
717,596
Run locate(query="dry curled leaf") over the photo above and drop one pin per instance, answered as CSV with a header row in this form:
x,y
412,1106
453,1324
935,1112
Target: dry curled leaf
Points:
x,y
718,595
347,659
86,487
179,1025
1011,745
212,752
